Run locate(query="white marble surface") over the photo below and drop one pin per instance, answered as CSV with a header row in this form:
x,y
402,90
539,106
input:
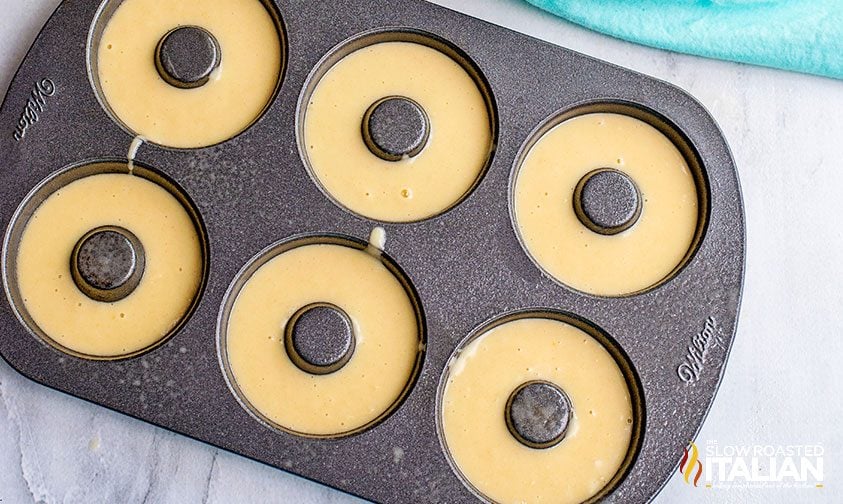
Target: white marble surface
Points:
x,y
782,385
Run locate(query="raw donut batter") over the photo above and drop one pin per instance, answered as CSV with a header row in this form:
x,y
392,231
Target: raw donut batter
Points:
x,y
236,94
633,260
384,323
490,368
170,281
413,188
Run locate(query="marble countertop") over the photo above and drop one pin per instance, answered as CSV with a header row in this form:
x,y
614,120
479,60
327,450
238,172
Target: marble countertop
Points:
x,y
782,384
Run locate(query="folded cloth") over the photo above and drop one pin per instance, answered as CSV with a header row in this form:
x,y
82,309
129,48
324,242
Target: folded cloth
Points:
x,y
801,35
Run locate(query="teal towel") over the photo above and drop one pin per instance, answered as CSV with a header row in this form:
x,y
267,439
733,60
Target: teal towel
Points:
x,y
801,35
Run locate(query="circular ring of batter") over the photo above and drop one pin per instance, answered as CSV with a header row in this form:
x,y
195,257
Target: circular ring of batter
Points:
x,y
481,420
368,388
104,193
414,188
653,250
127,84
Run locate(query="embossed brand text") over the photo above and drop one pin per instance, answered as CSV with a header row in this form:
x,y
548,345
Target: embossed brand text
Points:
x,y
35,105
701,344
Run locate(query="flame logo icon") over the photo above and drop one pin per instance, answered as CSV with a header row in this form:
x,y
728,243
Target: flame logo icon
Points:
x,y
690,464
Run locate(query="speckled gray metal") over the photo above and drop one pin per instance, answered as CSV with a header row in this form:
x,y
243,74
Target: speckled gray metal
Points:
x,y
395,127
607,201
107,263
319,338
538,413
467,265
187,56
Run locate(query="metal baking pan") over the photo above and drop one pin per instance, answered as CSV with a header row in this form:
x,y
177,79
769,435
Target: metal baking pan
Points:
x,y
466,265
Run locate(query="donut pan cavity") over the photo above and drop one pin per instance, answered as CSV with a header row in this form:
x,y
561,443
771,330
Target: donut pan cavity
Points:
x,y
466,265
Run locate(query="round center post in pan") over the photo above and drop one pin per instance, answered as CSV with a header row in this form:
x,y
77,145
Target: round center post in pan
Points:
x,y
319,338
607,201
538,413
395,127
187,56
107,263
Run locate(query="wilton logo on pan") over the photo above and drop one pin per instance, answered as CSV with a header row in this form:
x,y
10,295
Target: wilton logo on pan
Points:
x,y
702,343
36,104
753,466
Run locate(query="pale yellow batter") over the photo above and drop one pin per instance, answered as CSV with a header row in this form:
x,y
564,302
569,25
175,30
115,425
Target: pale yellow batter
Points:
x,y
417,187
170,282
633,260
238,92
490,368
384,321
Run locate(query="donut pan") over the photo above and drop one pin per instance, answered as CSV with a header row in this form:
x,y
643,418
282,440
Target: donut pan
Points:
x,y
466,265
